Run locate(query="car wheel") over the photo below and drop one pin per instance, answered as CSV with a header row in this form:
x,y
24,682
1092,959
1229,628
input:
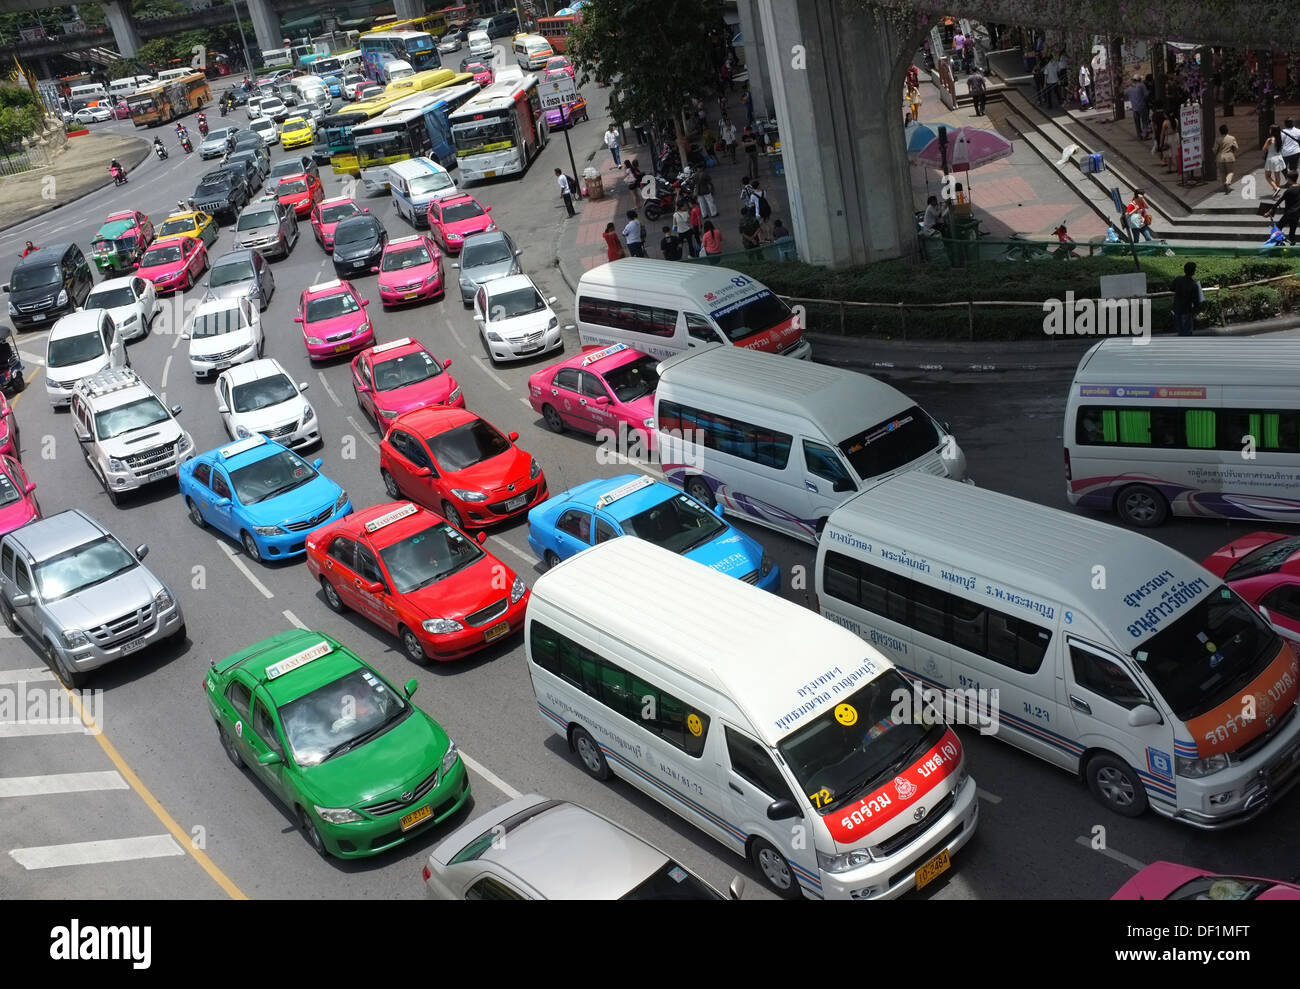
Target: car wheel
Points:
x,y
450,513
390,485
232,753
775,870
553,421
68,677
593,760
1142,506
699,489
179,636
195,515
250,545
309,831
551,559
10,619
1116,785
114,496
412,647
332,599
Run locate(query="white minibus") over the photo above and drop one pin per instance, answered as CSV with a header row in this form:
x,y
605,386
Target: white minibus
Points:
x,y
1102,651
783,442
1209,428
124,87
88,91
532,51
414,184
759,722
167,75
662,308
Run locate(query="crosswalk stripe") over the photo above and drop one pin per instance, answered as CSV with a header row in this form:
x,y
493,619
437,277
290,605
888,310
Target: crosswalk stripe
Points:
x,y
96,852
26,676
27,729
39,786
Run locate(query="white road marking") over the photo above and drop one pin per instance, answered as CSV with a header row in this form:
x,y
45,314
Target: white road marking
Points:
x,y
243,568
992,798
497,540
490,776
39,786
525,401
328,390
28,729
31,359
293,619
456,336
96,852
364,433
487,367
167,366
177,342
1120,857
26,676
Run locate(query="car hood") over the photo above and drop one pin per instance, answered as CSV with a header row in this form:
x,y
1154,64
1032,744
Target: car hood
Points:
x,y
222,342
75,372
406,276
328,327
1223,558
521,325
161,270
383,768
256,233
732,553
352,251
487,272
38,294
429,392
473,225
141,440
311,499
272,416
233,290
211,143
105,602
15,514
493,476
464,592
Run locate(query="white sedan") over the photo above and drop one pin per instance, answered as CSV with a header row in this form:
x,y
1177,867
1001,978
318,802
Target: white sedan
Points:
x,y
264,127
260,397
93,115
223,333
131,301
514,321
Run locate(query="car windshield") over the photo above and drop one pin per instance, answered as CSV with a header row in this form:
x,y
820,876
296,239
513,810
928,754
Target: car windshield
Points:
x,y
678,524
251,219
409,369
634,380
370,91
263,393
339,716
214,179
217,322
9,492
332,214
168,254
354,233
428,556
1221,888
129,417
291,188
1211,652
89,564
406,257
286,166
294,123
66,351
1266,559
230,272
891,444
466,445
671,882
331,306
34,276
271,477
481,251
110,298
753,315
520,302
841,762
423,185
461,211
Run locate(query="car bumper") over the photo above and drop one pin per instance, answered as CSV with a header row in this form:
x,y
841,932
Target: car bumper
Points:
x,y
211,153
92,657
130,480
26,321
291,544
391,297
170,284
478,514
58,397
772,582
326,350
472,639
372,836
291,142
202,367
518,350
267,248
353,268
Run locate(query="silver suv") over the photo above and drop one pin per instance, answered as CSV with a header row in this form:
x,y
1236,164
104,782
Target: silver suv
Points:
x,y
82,598
268,228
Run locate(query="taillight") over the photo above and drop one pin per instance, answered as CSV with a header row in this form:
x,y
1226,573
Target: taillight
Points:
x,y
425,872
1068,475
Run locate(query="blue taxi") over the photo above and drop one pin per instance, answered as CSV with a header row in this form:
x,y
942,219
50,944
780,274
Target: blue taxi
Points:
x,y
261,494
634,505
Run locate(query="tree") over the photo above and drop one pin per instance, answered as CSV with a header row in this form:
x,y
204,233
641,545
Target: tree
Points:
x,y
20,115
651,52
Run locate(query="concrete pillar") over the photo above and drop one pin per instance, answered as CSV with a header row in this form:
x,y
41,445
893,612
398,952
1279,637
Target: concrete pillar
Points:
x,y
837,98
407,10
122,24
760,85
266,25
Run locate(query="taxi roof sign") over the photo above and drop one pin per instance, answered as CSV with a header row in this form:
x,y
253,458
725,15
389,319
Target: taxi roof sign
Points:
x,y
322,286
631,487
298,659
243,445
391,344
388,518
602,354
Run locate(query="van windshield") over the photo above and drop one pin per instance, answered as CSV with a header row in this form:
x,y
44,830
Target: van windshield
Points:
x,y
753,315
848,761
35,276
891,444
1209,654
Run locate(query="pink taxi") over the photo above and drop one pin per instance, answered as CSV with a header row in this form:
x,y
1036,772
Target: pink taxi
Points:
x,y
334,320
410,270
173,263
601,388
559,63
325,216
8,429
481,71
1168,881
17,503
1264,568
453,219
401,375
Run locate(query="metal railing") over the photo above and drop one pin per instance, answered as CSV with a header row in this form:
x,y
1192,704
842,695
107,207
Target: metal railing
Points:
x,y
12,163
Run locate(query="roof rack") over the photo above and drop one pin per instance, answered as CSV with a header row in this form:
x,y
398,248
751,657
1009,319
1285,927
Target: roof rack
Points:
x,y
107,381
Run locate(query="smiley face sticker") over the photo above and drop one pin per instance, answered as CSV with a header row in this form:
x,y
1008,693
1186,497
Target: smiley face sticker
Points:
x,y
846,714
694,725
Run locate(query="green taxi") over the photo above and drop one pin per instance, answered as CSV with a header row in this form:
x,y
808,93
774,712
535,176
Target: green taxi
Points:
x,y
359,766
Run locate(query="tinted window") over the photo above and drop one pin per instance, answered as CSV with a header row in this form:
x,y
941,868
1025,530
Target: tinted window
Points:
x,y
650,320
891,444
751,761
1105,678
1172,427
727,435
239,696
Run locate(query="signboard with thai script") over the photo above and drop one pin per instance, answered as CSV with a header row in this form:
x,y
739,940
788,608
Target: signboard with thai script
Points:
x,y
1142,391
556,93
1189,120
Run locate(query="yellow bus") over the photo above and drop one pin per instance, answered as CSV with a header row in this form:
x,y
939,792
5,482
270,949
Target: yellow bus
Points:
x,y
169,100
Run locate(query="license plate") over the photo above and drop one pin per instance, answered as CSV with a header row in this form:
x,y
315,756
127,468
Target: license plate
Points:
x,y
410,295
39,315
490,175
496,631
224,365
357,264
932,869
514,503
342,347
158,475
416,816
134,645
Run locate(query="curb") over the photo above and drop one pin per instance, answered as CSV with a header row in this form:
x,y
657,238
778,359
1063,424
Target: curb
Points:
x,y
56,206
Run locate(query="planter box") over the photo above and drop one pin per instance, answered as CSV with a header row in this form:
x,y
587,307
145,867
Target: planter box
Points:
x,y
77,133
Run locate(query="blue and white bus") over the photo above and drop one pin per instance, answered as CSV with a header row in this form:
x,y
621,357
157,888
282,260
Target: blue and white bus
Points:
x,y
415,127
416,47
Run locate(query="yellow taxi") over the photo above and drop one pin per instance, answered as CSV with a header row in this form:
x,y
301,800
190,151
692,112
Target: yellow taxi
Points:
x,y
189,223
295,132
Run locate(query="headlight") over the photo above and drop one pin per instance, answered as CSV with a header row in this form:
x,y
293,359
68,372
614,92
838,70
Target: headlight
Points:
x,y
433,279
454,396
1197,768
765,567
517,589
364,328
555,321
441,626
534,468
187,442
267,530
449,757
13,310
649,423
466,495
117,466
845,862
309,415
452,236
314,341
163,599
338,815
489,228
242,432
63,297
74,637
340,501
130,319
387,414
494,336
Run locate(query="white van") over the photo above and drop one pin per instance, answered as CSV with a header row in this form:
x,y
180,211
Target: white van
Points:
x,y
414,184
532,51
1112,655
88,91
756,720
662,308
167,75
479,43
82,343
1186,427
397,68
782,442
311,90
124,87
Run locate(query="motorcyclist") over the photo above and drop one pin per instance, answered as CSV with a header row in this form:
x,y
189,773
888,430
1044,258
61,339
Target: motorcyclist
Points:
x,y
116,170
181,132
158,146
203,124
29,248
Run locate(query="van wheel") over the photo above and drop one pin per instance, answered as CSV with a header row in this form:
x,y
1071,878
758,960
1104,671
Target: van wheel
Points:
x,y
1116,785
699,489
775,869
1142,506
593,760
553,421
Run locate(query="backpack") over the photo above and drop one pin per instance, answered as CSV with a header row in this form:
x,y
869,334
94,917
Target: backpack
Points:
x,y
641,226
764,208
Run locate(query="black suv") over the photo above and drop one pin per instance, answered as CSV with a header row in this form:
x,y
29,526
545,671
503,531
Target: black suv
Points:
x,y
47,284
358,245
222,193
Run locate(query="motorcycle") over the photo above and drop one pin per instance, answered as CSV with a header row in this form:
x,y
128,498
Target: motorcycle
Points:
x,y
203,128
160,151
185,143
661,196
225,109
119,176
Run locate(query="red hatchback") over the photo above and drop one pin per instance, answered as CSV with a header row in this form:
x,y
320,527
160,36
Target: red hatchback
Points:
x,y
459,464
1264,568
406,569
325,216
399,376
299,193
453,219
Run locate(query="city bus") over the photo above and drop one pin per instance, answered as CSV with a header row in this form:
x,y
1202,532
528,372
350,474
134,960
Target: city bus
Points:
x,y
423,81
416,127
334,132
501,130
416,47
164,102
556,30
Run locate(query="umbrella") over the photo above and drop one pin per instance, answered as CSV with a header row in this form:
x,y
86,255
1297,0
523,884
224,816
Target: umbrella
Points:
x,y
918,137
968,147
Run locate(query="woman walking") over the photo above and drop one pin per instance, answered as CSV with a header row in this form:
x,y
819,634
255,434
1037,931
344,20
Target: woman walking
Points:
x,y
1225,156
613,246
914,101
712,242
1274,164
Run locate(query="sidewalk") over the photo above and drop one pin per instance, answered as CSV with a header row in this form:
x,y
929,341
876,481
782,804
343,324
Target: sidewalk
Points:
x,y
78,170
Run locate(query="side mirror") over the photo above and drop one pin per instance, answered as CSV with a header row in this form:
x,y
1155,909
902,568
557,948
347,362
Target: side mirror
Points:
x,y
717,510
362,387
843,484
317,463
372,587
269,758
551,301
223,409
176,410
365,209
297,319
222,503
1143,715
423,472
142,551
513,437
947,427
454,264
30,487
6,287
737,888
366,302
518,251
410,686
782,810
481,537
83,436
304,385
21,600
487,209
602,400
185,336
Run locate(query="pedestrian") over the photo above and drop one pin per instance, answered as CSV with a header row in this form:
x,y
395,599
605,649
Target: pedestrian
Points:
x,y
747,100
1291,145
613,246
977,85
749,233
1137,98
28,248
724,79
746,193
782,241
1290,202
1052,74
1085,86
968,56
712,241
670,246
697,220
611,142
959,49
704,189
1138,216
642,132
566,193
913,75
1187,299
914,101
682,226
634,234
762,208
750,143
1274,163
729,72
1225,156
1040,82
728,134
933,224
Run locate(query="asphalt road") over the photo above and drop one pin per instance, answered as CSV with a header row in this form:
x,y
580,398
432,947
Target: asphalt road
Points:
x,y
158,792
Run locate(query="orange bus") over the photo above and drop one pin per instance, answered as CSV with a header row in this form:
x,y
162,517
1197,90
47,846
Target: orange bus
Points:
x,y
556,30
164,102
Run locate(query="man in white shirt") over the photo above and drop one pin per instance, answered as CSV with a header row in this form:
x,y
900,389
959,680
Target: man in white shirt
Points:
x,y
611,142
566,193
1085,85
633,233
1291,144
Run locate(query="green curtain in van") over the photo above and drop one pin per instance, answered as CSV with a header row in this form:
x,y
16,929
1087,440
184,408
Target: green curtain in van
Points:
x,y
1135,426
1264,426
1109,429
1200,429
